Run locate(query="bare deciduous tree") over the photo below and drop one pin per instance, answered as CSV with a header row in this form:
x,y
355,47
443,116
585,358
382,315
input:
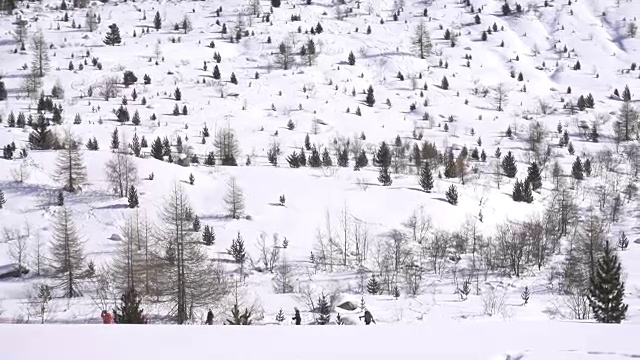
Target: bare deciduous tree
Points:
x,y
67,255
269,255
21,173
18,242
284,57
40,51
283,281
421,40
40,302
91,20
234,199
500,96
108,87
70,169
190,280
121,172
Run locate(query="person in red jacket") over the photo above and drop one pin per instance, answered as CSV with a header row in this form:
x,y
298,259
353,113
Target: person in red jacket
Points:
x,y
106,317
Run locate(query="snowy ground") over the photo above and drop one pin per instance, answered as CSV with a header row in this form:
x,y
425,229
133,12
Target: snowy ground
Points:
x,y
598,42
447,340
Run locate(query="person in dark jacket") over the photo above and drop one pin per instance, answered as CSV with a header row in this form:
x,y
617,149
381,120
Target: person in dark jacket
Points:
x,y
297,317
368,318
209,318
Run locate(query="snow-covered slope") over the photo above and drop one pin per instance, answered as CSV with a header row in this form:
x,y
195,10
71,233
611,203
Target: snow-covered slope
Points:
x,y
257,109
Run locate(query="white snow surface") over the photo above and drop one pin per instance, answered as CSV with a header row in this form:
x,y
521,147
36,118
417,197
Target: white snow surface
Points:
x,y
436,322
448,340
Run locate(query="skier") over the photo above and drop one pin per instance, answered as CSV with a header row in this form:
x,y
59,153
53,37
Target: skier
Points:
x,y
297,317
209,318
368,318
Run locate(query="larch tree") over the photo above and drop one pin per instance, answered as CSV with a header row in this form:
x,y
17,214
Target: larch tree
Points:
x,y
284,57
190,279
91,20
422,41
226,146
67,254
128,266
234,199
627,123
122,173
40,52
500,96
71,172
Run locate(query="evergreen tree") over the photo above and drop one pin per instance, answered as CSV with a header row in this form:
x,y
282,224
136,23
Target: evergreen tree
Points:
x,y
210,160
132,197
426,178
370,100
135,145
129,311
325,313
157,21
623,241
192,179
577,171
314,158
444,84
307,142
280,316
113,36
237,250
384,177
534,177
373,286
452,195
196,224
626,93
115,140
517,194
343,157
352,59
509,165
3,91
208,236
136,118
361,160
606,290
294,160
450,168
326,158
60,199
527,193
157,150
67,256
237,317
2,199
216,72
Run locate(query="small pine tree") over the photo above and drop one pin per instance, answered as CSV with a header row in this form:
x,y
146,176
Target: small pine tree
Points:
x,y
2,199
129,312
280,316
132,197
115,140
192,179
452,195
373,286
445,83
534,177
208,236
157,21
525,295
516,194
352,59
113,36
623,241
426,178
509,165
237,250
370,100
177,94
238,318
606,289
325,312
527,194
577,171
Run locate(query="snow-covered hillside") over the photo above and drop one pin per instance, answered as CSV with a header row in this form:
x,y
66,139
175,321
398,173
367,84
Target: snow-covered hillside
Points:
x,y
523,57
